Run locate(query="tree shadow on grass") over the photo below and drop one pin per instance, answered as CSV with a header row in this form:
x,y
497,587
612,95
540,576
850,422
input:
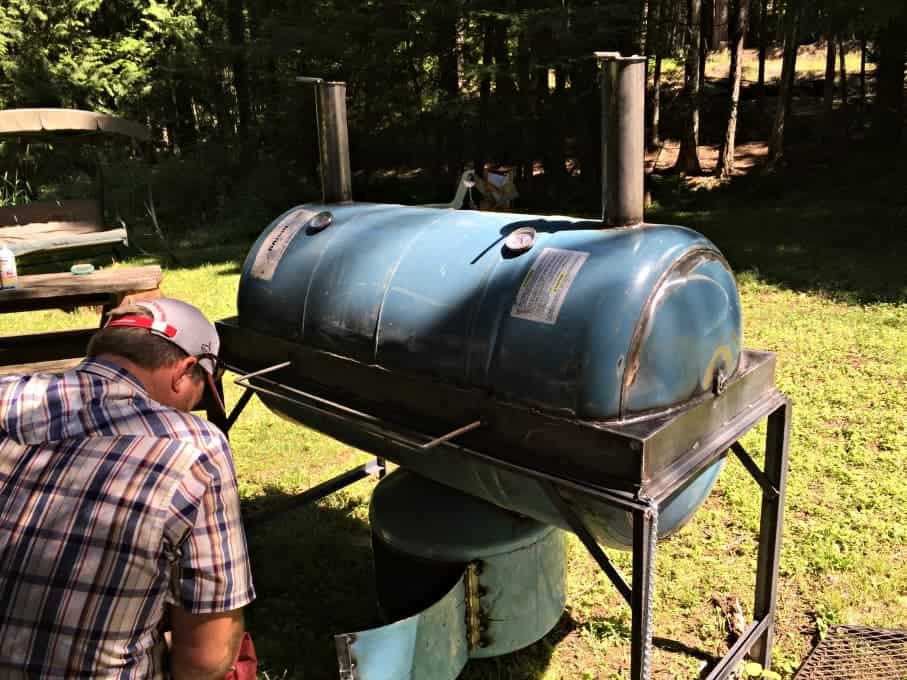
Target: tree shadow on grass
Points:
x,y
829,227
529,663
313,574
314,577
832,221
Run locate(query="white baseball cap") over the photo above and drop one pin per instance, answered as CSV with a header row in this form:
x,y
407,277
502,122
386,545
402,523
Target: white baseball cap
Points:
x,y
185,326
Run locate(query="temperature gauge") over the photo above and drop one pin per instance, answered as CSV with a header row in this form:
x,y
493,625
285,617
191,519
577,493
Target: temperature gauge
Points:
x,y
520,240
320,221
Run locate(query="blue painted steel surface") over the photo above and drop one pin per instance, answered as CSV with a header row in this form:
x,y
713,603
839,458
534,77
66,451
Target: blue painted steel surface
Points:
x,y
416,516
429,290
649,318
519,594
430,645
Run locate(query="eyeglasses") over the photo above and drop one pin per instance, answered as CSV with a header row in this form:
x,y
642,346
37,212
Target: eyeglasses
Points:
x,y
216,362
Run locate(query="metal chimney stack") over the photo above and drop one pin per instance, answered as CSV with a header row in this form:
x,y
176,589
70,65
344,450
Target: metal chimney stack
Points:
x,y
623,138
333,139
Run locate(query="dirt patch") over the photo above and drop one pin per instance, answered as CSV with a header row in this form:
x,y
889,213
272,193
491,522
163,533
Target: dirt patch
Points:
x,y
748,157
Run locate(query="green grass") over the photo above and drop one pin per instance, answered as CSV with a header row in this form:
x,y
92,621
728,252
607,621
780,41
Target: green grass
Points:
x,y
832,308
819,252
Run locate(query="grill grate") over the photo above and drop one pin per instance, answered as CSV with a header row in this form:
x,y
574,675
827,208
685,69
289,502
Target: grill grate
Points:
x,y
851,652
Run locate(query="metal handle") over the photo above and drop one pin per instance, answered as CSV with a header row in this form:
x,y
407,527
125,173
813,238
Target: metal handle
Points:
x,y
384,428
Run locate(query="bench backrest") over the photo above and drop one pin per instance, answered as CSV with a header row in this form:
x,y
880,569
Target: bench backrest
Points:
x,y
78,211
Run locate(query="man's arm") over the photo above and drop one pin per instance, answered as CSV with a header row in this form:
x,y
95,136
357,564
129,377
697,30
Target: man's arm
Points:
x,y
204,646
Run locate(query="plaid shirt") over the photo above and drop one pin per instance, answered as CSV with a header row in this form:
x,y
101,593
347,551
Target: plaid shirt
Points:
x,y
112,506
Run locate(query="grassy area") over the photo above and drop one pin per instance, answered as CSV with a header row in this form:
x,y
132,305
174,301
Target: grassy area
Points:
x,y
823,285
810,63
819,250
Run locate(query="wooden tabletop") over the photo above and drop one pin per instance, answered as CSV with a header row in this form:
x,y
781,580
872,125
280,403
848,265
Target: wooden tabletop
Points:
x,y
105,288
42,291
116,280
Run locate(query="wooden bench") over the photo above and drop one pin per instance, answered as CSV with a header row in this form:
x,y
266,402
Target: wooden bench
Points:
x,y
105,288
56,226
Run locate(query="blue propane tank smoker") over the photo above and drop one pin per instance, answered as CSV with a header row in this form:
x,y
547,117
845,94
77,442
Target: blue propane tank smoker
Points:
x,y
529,375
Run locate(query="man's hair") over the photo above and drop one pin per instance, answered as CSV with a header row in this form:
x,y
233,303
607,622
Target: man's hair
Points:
x,y
138,345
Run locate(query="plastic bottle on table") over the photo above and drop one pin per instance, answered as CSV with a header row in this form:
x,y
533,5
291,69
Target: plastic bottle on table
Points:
x,y
8,276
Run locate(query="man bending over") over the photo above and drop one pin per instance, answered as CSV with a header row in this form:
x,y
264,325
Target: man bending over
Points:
x,y
119,512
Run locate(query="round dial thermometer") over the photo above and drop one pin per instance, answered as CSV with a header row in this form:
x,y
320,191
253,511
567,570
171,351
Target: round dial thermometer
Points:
x,y
320,221
520,240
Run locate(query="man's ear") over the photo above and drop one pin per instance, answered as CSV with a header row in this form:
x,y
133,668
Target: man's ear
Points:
x,y
183,370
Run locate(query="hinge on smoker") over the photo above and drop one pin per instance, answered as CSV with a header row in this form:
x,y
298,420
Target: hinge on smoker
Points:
x,y
473,606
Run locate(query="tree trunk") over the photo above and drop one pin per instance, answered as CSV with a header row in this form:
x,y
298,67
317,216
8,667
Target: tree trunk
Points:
x,y
841,60
720,27
503,79
828,89
186,130
655,45
555,153
763,50
629,38
888,114
506,136
655,133
585,90
236,26
524,171
788,68
705,36
688,158
725,166
863,71
546,137
484,96
219,87
449,84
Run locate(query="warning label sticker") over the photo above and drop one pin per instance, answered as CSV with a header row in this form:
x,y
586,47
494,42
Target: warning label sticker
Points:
x,y
546,285
272,250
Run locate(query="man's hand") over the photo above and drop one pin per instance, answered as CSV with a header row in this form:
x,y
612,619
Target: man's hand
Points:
x,y
204,646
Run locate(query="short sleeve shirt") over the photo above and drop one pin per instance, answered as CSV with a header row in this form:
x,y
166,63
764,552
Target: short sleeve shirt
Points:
x,y
112,506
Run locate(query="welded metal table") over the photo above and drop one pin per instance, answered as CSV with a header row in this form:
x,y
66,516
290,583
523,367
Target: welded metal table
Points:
x,y
705,430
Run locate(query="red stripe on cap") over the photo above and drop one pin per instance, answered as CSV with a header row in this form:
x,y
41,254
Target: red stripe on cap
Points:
x,y
133,321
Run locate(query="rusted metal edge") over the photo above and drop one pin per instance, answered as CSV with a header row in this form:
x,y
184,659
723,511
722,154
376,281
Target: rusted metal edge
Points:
x,y
686,263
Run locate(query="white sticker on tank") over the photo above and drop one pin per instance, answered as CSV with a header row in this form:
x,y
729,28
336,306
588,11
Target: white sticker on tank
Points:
x,y
546,285
272,250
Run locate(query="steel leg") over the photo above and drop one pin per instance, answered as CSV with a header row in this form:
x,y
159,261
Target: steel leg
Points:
x,y
580,529
770,526
240,405
213,413
315,493
645,533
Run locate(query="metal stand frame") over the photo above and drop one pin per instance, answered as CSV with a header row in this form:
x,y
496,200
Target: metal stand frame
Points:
x,y
757,639
376,466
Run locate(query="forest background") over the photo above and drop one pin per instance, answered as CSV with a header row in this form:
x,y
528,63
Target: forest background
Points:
x,y
436,86
812,216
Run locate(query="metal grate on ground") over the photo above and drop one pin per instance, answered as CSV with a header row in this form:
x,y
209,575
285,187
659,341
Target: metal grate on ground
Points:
x,y
858,653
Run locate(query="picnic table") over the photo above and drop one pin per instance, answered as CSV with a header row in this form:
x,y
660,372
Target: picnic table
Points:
x,y
58,350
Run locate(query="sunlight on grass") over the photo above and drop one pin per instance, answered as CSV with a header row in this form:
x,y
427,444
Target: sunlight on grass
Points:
x,y
843,365
810,63
818,288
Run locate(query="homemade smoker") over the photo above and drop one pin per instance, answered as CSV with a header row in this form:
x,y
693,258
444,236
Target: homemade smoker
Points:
x,y
586,375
